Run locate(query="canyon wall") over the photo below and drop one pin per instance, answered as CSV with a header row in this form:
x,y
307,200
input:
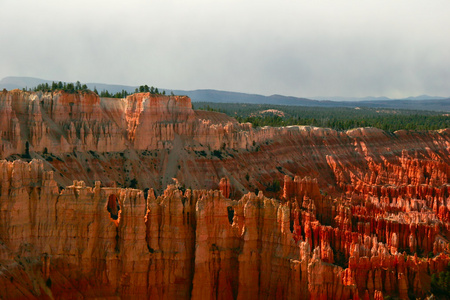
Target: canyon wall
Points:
x,y
213,208
82,121
146,140
103,242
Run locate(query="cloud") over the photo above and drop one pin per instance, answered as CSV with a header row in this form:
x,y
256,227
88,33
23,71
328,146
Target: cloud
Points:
x,y
300,48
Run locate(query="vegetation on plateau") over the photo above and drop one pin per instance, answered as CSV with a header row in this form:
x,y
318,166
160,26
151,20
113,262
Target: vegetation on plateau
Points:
x,y
74,88
338,118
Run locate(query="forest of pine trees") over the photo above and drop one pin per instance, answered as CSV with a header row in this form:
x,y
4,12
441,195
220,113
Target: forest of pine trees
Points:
x,y
338,118
78,87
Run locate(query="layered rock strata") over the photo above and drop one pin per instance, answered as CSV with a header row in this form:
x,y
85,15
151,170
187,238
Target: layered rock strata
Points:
x,y
146,140
361,214
108,241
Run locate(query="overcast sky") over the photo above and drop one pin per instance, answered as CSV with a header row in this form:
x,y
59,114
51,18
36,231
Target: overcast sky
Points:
x,y
299,48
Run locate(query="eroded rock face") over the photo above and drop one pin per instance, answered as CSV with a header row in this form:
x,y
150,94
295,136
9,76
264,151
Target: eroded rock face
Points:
x,y
63,122
146,140
360,214
103,242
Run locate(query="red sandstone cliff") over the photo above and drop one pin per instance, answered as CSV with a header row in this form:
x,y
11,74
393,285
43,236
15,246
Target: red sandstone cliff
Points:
x,y
104,242
362,213
150,139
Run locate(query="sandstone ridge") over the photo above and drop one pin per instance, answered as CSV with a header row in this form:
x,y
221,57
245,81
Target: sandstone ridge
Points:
x,y
64,122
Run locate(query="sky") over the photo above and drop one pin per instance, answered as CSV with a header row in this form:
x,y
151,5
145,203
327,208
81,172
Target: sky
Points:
x,y
352,48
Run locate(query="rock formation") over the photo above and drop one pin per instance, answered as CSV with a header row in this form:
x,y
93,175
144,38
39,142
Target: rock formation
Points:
x,y
149,139
361,214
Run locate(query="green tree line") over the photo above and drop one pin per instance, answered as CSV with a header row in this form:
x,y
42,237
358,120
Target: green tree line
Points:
x,y
66,86
338,118
76,87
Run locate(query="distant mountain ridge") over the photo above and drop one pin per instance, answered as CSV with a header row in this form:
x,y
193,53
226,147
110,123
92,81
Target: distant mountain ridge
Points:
x,y
422,102
369,98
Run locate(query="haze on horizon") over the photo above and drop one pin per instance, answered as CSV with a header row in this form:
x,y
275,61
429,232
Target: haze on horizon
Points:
x,y
300,48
